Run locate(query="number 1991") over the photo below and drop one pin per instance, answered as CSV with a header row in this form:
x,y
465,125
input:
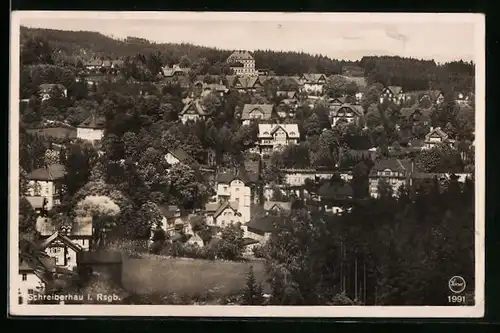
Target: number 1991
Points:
x,y
456,299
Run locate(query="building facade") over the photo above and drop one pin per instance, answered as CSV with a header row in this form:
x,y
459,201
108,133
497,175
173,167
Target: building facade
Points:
x,y
91,129
245,61
276,136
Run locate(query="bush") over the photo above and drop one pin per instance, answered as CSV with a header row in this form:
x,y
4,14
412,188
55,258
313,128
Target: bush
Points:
x,y
259,251
132,248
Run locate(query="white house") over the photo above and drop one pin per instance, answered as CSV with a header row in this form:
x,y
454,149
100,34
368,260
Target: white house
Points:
x,y
246,61
91,129
313,83
232,188
44,187
64,243
275,136
393,94
193,111
253,112
223,214
30,282
435,137
347,113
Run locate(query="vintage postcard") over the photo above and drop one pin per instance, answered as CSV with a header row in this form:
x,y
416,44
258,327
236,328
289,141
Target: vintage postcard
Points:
x,y
252,164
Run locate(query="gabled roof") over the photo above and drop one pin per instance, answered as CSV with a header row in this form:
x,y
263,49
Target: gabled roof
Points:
x,y
266,130
436,131
62,238
395,89
247,82
231,80
239,55
313,78
194,105
36,202
266,109
181,155
50,173
268,205
223,206
170,71
357,109
338,100
211,207
94,122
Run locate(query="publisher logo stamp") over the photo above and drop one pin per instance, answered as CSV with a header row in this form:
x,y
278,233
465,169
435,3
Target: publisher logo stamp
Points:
x,y
456,284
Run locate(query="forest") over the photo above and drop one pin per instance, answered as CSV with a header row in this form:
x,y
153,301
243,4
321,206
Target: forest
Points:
x,y
412,74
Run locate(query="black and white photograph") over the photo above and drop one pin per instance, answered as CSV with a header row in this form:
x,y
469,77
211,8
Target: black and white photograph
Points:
x,y
252,164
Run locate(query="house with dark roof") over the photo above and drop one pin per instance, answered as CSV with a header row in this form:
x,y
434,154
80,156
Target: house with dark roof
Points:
x,y
255,112
193,110
393,94
276,136
47,90
395,172
223,214
313,82
260,228
247,83
277,207
32,280
345,113
436,137
242,63
91,129
45,186
416,114
63,249
175,219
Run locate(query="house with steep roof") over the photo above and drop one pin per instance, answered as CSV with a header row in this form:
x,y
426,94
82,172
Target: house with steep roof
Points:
x,y
79,230
436,137
345,113
175,219
174,71
223,214
47,90
247,83
393,94
277,207
275,136
63,249
193,110
91,129
242,63
45,186
232,187
260,228
395,172
255,112
313,83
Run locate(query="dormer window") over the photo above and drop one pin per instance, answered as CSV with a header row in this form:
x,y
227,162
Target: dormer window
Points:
x,y
387,172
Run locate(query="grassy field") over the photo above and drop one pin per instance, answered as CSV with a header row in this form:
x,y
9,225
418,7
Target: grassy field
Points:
x,y
187,276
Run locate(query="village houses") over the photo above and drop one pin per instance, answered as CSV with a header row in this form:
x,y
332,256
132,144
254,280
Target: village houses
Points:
x,y
275,136
394,172
242,63
436,137
193,110
345,113
393,94
313,83
256,112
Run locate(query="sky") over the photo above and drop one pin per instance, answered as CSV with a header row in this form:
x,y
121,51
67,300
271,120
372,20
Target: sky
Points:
x,y
339,36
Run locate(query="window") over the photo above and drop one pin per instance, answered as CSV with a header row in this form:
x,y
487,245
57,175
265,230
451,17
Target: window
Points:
x,y
237,189
225,188
387,172
25,277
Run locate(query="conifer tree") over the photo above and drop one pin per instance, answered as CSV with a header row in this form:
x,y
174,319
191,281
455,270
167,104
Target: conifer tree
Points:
x,y
252,294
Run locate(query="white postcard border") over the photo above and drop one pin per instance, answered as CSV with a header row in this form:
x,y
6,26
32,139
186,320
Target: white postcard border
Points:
x,y
475,311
